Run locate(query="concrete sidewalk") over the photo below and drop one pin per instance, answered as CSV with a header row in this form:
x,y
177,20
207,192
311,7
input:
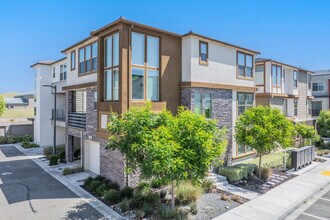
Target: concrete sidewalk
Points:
x,y
284,199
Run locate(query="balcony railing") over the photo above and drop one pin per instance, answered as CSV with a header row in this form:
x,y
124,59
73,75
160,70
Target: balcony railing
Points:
x,y
77,119
60,114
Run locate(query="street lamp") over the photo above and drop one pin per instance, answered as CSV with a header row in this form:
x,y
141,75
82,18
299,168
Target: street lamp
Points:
x,y
55,116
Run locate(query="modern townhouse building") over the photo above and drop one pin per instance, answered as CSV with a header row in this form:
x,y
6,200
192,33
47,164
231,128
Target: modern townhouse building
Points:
x,y
321,91
285,87
125,64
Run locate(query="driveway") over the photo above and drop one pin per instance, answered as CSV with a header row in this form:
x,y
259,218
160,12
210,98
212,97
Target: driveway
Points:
x,y
28,192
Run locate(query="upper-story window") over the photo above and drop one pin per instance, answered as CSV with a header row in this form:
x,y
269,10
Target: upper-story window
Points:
x,y
245,65
88,59
295,79
63,72
259,75
309,81
111,68
73,60
54,75
318,87
203,52
145,67
276,75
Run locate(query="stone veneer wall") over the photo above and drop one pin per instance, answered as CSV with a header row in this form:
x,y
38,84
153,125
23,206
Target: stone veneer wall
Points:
x,y
222,110
112,163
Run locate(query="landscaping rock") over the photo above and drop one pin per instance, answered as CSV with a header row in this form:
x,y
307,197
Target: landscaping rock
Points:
x,y
184,209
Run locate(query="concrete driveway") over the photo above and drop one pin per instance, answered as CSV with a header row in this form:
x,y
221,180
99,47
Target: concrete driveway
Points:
x,y
28,192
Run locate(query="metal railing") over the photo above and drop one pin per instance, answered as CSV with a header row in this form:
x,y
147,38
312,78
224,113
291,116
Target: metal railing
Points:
x,y
77,119
60,115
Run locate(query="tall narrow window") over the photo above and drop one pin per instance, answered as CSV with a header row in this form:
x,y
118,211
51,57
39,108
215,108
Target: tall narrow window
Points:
x,y
295,79
207,105
64,72
145,67
111,66
94,56
274,78
316,108
73,60
203,52
81,60
198,103
88,58
279,75
61,72
245,65
276,75
259,75
309,81
295,107
54,72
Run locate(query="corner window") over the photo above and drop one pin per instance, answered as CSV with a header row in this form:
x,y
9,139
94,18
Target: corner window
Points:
x,y
63,72
111,68
245,65
295,79
244,101
295,107
203,52
318,87
276,75
88,58
145,67
203,104
73,60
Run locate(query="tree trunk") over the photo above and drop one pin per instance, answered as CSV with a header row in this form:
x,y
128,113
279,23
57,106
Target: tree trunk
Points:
x,y
126,173
173,202
260,167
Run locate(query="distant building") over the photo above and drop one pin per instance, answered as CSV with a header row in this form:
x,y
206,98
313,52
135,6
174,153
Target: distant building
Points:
x,y
321,91
24,101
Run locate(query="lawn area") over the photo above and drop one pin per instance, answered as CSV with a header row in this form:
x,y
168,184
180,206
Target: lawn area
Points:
x,y
17,113
274,159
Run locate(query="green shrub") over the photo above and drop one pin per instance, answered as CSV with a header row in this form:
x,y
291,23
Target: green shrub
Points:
x,y
68,171
100,178
27,138
94,185
187,193
143,186
61,156
237,172
162,194
323,123
111,185
151,198
48,151
12,139
29,145
207,185
137,200
157,183
53,160
112,196
193,208
3,140
88,182
101,189
148,209
124,205
127,192
166,212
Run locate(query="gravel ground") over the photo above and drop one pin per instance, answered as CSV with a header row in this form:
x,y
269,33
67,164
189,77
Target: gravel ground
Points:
x,y
210,206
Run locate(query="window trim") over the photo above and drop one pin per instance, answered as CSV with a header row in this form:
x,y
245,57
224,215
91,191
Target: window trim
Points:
x,y
84,48
73,67
237,66
295,81
201,62
145,67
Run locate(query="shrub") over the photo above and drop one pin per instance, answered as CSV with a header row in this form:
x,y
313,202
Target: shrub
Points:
x,y
61,156
101,189
224,197
124,205
112,196
207,185
48,151
148,209
27,138
162,194
29,145
127,192
157,183
3,140
94,185
323,123
237,172
236,198
137,200
166,212
265,173
151,198
53,160
100,178
88,182
187,193
12,139
111,185
143,186
193,208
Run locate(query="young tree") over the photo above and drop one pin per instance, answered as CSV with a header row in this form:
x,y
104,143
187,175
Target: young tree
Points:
x,y
305,133
264,129
2,105
172,148
323,123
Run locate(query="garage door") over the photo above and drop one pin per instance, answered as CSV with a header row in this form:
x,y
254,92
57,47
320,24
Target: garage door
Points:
x,y
92,156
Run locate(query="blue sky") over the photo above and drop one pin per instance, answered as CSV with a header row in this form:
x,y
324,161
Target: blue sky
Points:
x,y
296,31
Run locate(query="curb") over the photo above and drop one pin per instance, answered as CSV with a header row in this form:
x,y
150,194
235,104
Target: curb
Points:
x,y
106,211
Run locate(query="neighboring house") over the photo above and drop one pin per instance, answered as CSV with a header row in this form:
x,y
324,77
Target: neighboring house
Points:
x,y
27,98
320,91
16,103
285,87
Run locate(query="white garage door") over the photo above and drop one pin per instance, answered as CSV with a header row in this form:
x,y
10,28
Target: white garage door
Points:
x,y
92,156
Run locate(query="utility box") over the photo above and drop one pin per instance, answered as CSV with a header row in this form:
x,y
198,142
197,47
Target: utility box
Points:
x,y
302,156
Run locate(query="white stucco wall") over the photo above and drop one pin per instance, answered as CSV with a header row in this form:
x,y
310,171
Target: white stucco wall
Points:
x,y
221,68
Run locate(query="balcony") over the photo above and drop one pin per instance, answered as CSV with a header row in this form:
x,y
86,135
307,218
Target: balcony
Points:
x,y
60,114
77,120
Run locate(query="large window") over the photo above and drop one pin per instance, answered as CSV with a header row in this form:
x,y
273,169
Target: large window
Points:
x,y
73,60
88,59
111,70
145,67
318,87
203,52
295,79
316,108
244,101
63,72
245,65
295,107
203,104
276,75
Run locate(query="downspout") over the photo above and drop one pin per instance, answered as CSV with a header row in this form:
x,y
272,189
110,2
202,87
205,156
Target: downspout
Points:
x,y
81,149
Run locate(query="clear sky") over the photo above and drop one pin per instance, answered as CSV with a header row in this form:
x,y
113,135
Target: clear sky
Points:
x,y
293,31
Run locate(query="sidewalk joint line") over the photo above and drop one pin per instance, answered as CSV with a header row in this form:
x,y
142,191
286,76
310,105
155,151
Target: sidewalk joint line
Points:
x,y
314,216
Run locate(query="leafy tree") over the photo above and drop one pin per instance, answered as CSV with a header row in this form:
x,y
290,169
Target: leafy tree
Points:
x,y
171,148
305,133
2,105
264,129
323,123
